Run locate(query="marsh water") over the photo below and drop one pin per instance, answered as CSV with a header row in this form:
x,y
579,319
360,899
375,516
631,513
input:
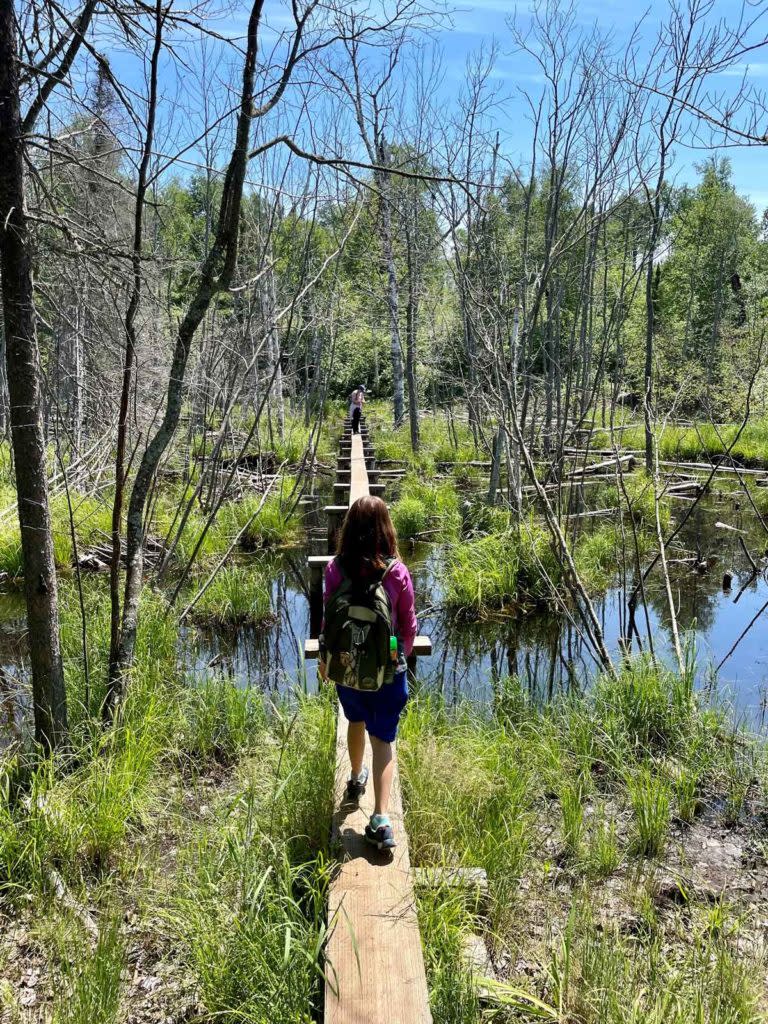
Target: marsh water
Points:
x,y
544,648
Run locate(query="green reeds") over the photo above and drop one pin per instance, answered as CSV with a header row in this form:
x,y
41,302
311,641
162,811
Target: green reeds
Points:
x,y
92,978
426,510
237,595
650,795
554,800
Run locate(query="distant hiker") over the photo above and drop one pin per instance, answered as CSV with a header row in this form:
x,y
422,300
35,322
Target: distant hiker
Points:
x,y
368,632
356,400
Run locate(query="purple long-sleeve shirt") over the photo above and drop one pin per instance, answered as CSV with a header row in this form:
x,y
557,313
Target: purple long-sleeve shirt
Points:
x,y
399,587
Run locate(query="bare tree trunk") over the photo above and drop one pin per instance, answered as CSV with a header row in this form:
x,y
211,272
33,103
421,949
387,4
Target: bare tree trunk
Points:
x,y
274,364
26,406
215,275
127,380
648,371
498,455
516,476
412,325
393,296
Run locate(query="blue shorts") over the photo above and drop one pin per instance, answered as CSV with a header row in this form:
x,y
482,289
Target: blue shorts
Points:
x,y
379,709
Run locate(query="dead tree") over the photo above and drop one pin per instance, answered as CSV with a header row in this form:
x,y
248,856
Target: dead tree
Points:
x,y
23,373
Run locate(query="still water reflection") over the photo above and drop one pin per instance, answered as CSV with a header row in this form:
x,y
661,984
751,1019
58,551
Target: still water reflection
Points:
x,y
545,649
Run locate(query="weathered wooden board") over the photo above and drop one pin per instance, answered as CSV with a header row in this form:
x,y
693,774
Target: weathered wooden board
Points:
x,y
374,959
375,963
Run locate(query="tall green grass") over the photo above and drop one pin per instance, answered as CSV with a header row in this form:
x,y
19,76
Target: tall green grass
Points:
x,y
274,524
248,904
554,802
239,594
426,509
704,441
244,908
439,441
92,978
92,523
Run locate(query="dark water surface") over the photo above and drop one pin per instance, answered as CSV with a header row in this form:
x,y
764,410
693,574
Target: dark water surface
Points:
x,y
544,648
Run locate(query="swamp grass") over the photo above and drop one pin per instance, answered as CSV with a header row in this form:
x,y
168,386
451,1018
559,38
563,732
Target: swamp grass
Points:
x,y
239,595
443,440
195,816
573,810
517,565
707,441
426,510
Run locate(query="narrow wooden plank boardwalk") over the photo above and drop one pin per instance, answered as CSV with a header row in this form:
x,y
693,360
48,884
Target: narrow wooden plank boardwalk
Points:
x,y
375,963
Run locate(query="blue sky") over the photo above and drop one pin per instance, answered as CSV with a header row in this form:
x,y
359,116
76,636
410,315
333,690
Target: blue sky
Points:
x,y
476,25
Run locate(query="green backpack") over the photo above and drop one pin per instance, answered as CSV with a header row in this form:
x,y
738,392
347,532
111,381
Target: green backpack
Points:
x,y
358,625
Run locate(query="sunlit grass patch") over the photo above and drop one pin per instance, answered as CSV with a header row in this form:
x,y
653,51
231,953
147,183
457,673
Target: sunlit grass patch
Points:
x,y
429,510
248,905
265,523
92,982
221,720
705,441
493,571
569,809
238,594
90,516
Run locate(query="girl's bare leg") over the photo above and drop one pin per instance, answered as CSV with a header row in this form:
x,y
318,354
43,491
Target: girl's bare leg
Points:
x,y
356,745
383,770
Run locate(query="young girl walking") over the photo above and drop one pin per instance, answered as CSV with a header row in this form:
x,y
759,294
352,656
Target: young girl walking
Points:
x,y
367,554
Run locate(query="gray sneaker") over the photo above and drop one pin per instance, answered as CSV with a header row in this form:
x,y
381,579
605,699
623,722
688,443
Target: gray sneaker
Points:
x,y
383,837
356,787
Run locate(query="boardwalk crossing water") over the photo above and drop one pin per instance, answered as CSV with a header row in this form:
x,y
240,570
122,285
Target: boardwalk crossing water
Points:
x,y
374,959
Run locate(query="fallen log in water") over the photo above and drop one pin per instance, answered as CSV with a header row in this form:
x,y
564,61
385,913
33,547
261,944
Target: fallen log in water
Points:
x,y
707,467
596,467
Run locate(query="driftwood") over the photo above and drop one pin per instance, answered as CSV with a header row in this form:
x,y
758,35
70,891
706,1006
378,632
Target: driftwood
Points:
x,y
708,467
594,468
97,559
68,901
726,526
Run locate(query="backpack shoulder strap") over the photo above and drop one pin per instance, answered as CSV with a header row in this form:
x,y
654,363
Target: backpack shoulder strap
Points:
x,y
391,563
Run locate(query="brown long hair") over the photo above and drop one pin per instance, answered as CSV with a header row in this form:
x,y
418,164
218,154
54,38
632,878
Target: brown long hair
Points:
x,y
368,537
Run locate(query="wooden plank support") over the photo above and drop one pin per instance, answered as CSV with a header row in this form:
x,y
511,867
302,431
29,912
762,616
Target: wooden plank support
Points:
x,y
343,474
422,646
374,958
344,485
335,514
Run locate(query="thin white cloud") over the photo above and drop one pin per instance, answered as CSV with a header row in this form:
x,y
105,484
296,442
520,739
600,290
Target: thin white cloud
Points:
x,y
756,68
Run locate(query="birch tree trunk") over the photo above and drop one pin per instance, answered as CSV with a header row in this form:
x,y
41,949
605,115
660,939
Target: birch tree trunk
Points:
x,y
412,321
274,364
393,297
26,401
